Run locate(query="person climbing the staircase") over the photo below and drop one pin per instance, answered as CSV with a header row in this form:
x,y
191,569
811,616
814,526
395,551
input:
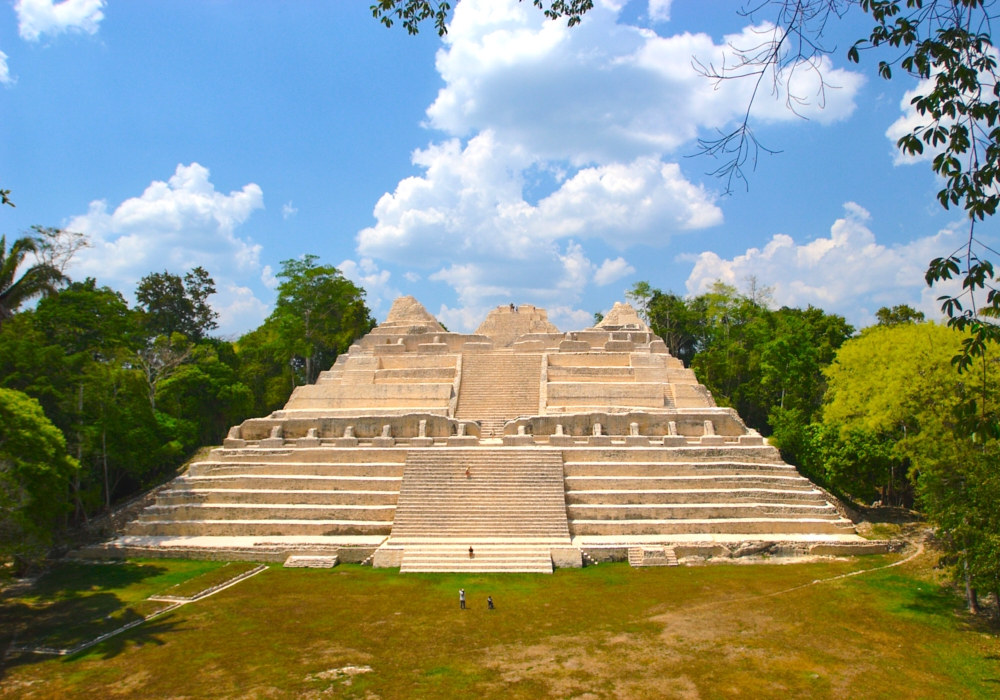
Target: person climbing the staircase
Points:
x,y
461,598
471,552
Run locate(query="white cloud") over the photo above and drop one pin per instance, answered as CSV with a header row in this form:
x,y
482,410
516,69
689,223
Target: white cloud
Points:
x,y
659,10
375,282
909,121
603,91
411,276
848,273
612,270
288,211
268,278
239,309
5,78
174,225
599,107
37,17
470,205
464,319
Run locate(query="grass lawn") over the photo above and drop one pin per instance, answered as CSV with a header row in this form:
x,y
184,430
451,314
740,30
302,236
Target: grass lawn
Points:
x,y
608,631
78,602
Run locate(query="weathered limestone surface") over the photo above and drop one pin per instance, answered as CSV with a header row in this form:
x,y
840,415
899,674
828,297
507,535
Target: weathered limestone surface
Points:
x,y
504,326
622,317
533,447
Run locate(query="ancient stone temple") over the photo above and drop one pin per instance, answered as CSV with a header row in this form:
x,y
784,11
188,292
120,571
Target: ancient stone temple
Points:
x,y
515,448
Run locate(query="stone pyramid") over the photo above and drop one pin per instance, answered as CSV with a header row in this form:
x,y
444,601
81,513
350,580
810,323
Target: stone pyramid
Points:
x,y
533,447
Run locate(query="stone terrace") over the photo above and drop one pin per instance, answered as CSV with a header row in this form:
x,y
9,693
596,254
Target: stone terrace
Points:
x,y
533,447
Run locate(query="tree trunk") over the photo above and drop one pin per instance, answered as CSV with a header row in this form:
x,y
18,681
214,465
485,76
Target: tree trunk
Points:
x,y
970,592
104,454
309,370
79,510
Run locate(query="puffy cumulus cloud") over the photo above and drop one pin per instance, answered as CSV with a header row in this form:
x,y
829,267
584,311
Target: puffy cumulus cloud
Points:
x,y
174,225
238,307
37,17
611,271
849,273
375,282
606,91
470,204
599,108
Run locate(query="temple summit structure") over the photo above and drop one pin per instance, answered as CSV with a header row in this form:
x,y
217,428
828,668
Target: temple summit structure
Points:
x,y
515,448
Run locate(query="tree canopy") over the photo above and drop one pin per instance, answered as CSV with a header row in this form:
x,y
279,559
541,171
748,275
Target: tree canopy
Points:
x,y
317,315
34,478
172,305
38,280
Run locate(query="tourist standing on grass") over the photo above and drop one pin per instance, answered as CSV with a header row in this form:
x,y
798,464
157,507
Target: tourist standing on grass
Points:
x,y
489,603
461,598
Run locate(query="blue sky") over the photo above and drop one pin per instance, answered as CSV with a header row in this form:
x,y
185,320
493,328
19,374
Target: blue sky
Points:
x,y
516,161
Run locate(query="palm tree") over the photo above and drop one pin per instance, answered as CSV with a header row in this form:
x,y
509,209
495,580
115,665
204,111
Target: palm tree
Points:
x,y
38,280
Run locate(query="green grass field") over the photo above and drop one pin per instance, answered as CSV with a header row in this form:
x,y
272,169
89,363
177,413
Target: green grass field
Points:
x,y
608,631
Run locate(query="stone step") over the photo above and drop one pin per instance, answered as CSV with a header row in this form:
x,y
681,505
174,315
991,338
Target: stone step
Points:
x,y
688,482
652,469
691,453
258,528
290,454
485,559
735,526
498,386
652,556
437,497
659,511
179,496
694,496
299,470
388,484
266,511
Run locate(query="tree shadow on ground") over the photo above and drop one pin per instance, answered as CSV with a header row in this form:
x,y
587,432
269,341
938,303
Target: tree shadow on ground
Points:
x,y
70,604
152,632
70,578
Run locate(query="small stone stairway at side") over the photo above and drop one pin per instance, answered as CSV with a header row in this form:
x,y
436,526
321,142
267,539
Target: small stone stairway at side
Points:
x,y
651,556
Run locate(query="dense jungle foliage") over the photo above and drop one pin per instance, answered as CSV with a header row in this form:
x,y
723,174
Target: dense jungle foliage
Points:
x,y
100,400
879,416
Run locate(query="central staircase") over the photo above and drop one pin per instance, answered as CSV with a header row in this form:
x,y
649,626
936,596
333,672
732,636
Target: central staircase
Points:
x,y
497,387
507,503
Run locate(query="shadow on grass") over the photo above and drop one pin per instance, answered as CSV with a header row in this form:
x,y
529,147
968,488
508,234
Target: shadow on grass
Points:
x,y
151,632
148,633
69,579
71,604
